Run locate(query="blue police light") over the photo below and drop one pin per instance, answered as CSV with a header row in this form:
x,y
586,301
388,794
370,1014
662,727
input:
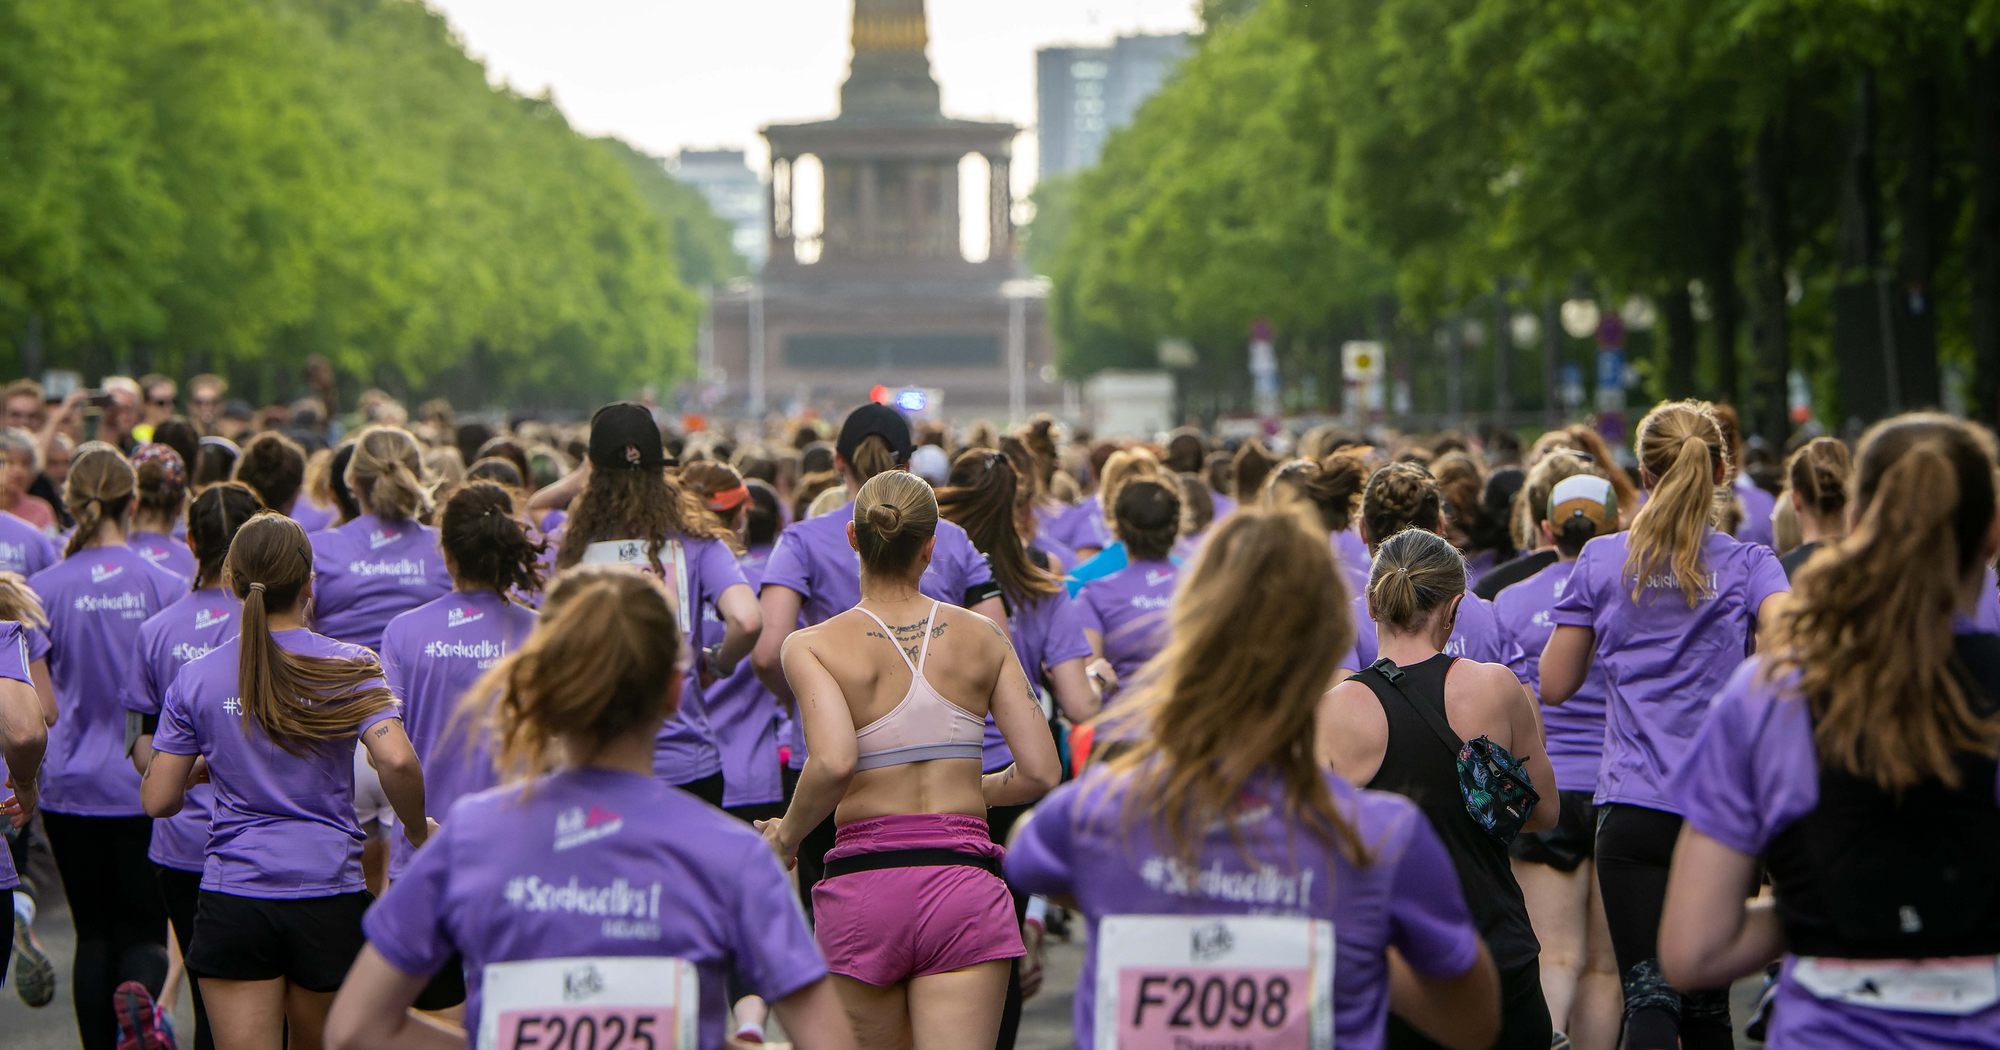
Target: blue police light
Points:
x,y
912,400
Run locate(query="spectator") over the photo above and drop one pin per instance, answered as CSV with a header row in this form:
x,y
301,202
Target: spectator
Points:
x,y
24,406
205,400
18,453
235,421
159,392
121,415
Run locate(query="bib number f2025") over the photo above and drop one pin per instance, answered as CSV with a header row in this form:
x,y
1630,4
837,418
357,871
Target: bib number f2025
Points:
x,y
1169,982
590,1004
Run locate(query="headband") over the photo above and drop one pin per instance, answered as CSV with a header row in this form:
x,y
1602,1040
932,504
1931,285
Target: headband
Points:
x,y
728,499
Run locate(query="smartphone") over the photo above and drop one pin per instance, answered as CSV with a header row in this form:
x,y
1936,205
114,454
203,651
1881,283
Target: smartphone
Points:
x,y
98,398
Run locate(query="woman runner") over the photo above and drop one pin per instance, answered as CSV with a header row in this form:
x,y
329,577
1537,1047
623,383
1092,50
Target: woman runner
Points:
x,y
1125,613
1332,487
1817,476
1668,609
1855,756
271,718
386,561
97,598
1371,733
630,512
815,574
434,653
162,506
1554,867
585,895
1230,885
274,466
178,634
23,741
916,924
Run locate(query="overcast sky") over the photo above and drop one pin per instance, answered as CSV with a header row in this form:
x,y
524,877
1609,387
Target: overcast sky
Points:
x,y
664,74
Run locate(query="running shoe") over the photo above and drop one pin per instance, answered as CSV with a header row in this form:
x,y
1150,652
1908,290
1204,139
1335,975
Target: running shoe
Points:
x,y
141,1025
34,975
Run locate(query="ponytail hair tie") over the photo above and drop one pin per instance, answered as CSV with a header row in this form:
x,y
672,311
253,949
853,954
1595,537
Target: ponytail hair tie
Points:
x,y
256,588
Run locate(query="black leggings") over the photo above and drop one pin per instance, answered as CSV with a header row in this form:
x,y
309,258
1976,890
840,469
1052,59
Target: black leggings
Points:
x,y
119,915
181,890
1000,820
1635,848
812,851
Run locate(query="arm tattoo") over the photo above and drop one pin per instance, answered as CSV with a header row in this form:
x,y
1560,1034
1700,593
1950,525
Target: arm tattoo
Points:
x,y
382,730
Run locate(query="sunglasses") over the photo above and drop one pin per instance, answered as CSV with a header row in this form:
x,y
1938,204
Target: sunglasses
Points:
x,y
163,402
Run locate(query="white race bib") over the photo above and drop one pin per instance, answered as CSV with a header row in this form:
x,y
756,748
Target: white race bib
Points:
x,y
590,1004
633,552
1957,987
1166,982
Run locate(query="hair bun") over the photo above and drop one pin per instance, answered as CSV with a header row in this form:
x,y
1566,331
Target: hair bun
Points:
x,y
885,518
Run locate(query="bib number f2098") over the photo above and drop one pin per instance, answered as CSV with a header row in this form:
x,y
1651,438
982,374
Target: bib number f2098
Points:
x,y
1175,982
589,1004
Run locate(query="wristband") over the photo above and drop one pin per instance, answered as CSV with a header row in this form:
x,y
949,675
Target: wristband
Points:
x,y
1038,910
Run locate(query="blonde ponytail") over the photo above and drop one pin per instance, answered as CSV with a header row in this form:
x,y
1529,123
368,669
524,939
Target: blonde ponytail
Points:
x,y
1681,445
99,488
18,603
387,470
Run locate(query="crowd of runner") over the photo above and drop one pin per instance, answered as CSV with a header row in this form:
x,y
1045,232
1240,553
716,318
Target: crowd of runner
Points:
x,y
377,733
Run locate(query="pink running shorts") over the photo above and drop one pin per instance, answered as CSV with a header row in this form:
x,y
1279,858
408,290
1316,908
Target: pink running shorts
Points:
x,y
892,924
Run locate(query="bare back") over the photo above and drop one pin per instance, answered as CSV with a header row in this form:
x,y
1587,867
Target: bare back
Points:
x,y
963,655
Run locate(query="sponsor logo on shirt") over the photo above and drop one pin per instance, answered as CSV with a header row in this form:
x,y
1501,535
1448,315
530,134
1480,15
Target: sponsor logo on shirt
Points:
x,y
1268,885
408,571
1149,602
1454,647
186,651
574,827
14,556
629,912
461,617
101,573
156,555
1542,619
1561,586
487,653
1668,581
233,705
129,606
205,619
1155,577
381,538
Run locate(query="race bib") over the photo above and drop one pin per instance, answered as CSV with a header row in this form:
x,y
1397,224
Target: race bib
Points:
x,y
1957,987
673,566
590,1004
1256,982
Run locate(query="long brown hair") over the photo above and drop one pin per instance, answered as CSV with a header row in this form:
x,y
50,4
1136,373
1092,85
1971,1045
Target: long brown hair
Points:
x,y
1819,473
300,702
488,547
99,489
1681,445
633,504
1332,487
213,520
706,479
1226,706
1868,629
597,664
982,496
1400,496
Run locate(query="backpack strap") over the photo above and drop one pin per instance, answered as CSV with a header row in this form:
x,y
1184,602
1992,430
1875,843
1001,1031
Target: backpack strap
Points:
x,y
1393,675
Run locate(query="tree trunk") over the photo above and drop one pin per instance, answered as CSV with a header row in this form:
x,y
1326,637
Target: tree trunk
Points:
x,y
1770,250
1725,295
1503,352
1677,309
1917,256
1984,246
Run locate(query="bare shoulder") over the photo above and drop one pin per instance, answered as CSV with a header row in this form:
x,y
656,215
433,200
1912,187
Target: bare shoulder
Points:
x,y
1489,689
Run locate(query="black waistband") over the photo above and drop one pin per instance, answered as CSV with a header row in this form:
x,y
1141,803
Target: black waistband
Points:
x,y
909,858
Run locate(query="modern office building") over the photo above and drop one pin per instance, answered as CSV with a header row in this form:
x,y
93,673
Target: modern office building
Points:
x,y
733,191
1086,93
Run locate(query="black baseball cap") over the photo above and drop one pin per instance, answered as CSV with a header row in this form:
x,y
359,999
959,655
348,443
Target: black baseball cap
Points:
x,y
623,434
879,420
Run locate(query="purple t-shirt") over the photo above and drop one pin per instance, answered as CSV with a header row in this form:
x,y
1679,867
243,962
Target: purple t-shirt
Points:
x,y
1076,525
742,713
183,631
1757,507
431,656
1574,730
813,558
1129,608
283,826
24,548
1986,616
1476,635
1045,633
310,516
1478,565
164,551
686,749
14,663
1663,661
1350,552
596,863
1407,897
369,571
1752,772
96,603
1223,506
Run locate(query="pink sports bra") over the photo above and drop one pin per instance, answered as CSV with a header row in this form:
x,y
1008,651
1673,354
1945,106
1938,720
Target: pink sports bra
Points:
x,y
924,725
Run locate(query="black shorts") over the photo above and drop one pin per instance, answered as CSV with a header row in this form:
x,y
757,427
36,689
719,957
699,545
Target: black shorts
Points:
x,y
310,942
1571,842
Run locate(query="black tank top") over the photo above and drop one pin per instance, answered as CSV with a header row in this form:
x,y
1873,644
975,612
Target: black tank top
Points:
x,y
1418,766
1867,875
